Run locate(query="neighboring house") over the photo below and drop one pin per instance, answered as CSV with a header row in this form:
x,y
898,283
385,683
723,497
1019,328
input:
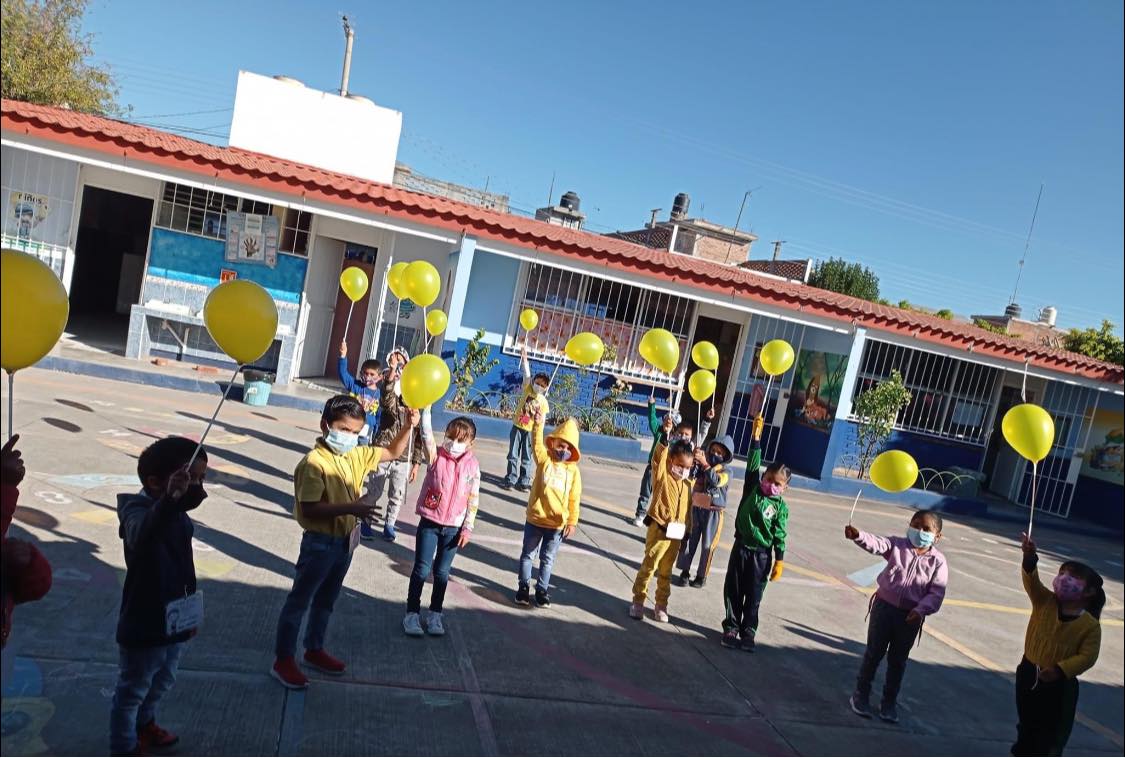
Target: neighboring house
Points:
x,y
1040,332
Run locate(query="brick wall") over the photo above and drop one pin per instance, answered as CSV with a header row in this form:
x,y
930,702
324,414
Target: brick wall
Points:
x,y
721,251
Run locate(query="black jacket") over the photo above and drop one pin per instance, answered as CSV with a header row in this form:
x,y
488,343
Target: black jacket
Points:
x,y
159,566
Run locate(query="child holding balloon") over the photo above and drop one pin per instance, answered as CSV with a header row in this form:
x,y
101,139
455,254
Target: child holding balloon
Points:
x,y
910,588
520,447
1063,640
365,389
327,485
760,531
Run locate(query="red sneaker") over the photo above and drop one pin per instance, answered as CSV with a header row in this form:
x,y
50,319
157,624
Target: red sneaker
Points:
x,y
322,661
285,670
152,737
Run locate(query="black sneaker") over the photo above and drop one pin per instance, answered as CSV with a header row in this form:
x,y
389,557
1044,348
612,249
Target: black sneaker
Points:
x,y
680,579
860,705
748,643
699,582
523,595
506,485
730,639
542,599
524,488
889,713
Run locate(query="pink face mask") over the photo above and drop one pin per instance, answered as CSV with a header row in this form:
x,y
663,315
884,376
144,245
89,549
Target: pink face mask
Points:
x,y
1067,588
770,489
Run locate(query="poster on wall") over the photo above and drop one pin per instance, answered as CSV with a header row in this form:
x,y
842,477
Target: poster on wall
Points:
x,y
816,389
1104,454
252,238
28,210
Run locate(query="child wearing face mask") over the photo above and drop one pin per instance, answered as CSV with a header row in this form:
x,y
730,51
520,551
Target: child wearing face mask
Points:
x,y
327,486
520,444
664,432
667,524
708,501
365,389
910,588
1063,639
447,510
160,608
394,473
760,531
552,508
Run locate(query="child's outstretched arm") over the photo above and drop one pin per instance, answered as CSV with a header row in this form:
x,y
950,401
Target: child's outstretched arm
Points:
x,y
525,366
346,378
704,428
754,460
428,442
1029,573
394,451
653,420
872,543
659,464
538,447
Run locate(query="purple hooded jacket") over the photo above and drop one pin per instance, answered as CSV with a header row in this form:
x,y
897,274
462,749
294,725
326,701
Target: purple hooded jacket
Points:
x,y
911,582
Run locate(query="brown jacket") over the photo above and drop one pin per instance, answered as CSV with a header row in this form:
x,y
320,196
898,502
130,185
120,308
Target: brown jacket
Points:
x,y
392,417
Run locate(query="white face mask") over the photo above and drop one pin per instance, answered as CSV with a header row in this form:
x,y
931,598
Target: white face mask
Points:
x,y
680,472
398,388
538,390
455,448
341,442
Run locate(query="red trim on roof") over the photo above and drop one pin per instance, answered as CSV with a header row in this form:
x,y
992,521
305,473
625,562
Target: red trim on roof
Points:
x,y
254,170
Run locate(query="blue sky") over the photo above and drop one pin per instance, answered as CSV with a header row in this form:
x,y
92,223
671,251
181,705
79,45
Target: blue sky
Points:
x,y
911,137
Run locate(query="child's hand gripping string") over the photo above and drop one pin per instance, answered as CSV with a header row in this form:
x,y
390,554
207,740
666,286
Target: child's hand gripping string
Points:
x,y
851,532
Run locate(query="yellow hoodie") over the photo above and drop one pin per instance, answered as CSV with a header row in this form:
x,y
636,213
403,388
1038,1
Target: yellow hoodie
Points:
x,y
557,488
671,497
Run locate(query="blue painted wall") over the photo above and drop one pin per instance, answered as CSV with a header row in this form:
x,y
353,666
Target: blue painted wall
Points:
x,y
929,452
488,302
803,448
1099,502
199,260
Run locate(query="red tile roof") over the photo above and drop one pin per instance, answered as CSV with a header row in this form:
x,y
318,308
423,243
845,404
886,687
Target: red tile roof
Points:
x,y
254,170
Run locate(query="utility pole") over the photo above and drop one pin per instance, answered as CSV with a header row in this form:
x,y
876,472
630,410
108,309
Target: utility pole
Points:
x,y
1026,246
651,226
349,37
776,255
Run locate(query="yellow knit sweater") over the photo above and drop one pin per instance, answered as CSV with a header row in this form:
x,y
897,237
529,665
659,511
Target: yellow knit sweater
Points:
x,y
1071,645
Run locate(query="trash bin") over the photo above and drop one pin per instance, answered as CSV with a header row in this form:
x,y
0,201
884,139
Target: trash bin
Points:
x,y
256,387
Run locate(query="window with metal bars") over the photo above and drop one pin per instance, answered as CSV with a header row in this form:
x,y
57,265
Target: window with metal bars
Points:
x,y
204,212
950,397
569,303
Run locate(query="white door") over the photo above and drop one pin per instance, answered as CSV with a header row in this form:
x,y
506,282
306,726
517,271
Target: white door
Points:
x,y
321,284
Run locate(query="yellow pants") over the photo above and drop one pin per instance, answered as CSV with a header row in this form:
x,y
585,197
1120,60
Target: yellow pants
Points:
x,y
660,557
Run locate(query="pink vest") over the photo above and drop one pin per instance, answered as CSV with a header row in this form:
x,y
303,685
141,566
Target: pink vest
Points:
x,y
444,498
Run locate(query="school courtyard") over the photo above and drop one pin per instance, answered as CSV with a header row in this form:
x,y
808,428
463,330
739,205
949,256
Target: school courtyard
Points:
x,y
580,678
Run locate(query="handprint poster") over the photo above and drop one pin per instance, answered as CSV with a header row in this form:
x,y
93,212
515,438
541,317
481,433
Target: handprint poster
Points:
x,y
252,238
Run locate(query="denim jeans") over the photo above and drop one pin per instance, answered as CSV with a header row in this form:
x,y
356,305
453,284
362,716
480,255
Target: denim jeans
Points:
x,y
889,635
321,568
147,673
646,492
537,539
520,467
435,547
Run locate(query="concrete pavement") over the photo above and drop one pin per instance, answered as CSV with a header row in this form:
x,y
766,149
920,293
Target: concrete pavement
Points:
x,y
578,678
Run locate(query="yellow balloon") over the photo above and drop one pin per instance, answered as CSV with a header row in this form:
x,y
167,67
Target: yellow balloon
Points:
x,y
435,322
777,357
394,279
353,281
421,283
660,348
894,471
242,319
529,319
701,385
34,310
705,355
1030,430
424,380
585,348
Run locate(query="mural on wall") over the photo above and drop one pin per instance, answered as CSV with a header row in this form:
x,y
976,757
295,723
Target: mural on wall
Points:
x,y
817,384
1103,459
252,238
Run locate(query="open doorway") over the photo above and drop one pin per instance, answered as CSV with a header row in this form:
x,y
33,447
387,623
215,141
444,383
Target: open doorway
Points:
x,y
1002,464
724,335
109,266
362,257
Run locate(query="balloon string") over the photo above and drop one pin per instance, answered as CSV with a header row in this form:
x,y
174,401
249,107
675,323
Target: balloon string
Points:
x,y
214,415
348,323
11,403
854,504
394,335
1023,388
1031,511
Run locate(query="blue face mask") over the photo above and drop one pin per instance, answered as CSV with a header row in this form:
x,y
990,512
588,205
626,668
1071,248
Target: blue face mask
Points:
x,y
341,442
563,454
918,538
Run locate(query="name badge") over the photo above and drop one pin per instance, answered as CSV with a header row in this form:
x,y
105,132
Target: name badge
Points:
x,y
184,614
675,530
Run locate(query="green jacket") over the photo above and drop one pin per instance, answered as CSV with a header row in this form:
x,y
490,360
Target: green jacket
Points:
x,y
657,430
761,521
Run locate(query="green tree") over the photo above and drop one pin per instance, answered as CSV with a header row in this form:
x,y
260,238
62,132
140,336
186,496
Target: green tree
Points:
x,y
1099,343
944,313
876,410
988,326
837,275
470,365
45,57
905,305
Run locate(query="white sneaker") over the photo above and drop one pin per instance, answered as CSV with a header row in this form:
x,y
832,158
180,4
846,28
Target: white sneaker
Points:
x,y
412,625
636,611
434,625
661,614
639,521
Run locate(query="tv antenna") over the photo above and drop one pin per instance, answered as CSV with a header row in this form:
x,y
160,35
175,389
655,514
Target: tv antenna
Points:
x,y
1026,246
